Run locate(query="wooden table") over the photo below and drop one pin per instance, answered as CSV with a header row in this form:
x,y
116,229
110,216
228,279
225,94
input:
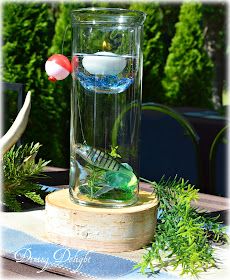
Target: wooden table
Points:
x,y
10,269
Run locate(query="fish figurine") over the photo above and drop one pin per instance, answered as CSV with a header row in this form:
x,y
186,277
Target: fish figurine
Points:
x,y
100,159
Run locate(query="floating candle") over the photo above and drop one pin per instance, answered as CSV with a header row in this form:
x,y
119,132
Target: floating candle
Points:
x,y
104,63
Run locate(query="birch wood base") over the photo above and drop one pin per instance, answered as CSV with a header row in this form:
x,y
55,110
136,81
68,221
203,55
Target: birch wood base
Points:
x,y
100,229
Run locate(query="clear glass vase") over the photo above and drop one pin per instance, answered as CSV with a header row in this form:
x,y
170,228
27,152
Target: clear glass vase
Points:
x,y
105,106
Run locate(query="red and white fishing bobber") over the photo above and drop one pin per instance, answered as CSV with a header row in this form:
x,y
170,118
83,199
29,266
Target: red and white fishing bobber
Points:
x,y
58,67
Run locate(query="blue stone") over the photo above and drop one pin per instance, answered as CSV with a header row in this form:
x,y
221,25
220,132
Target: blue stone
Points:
x,y
109,84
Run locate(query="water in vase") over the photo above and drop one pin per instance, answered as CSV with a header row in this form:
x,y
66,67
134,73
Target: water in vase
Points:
x,y
104,130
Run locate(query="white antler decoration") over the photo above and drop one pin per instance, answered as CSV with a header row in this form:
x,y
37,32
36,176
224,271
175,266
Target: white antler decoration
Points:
x,y
18,126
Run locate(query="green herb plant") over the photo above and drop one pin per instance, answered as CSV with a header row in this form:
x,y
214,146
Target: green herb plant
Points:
x,y
94,179
97,185
114,152
184,235
19,171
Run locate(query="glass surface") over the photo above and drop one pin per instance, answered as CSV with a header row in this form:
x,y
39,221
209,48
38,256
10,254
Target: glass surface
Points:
x,y
105,106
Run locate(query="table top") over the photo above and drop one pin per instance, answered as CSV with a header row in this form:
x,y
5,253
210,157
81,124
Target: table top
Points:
x,y
210,203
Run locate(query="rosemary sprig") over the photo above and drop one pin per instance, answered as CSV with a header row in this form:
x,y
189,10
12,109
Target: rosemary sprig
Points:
x,y
19,171
183,236
95,178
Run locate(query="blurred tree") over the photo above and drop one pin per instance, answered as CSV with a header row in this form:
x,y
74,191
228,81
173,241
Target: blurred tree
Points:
x,y
170,18
153,51
32,32
27,33
188,70
111,4
61,43
215,20
62,89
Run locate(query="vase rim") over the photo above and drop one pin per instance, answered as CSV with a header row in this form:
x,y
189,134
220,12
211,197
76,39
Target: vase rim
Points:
x,y
108,16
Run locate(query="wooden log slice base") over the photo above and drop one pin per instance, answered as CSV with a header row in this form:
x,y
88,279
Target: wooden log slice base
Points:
x,y
100,229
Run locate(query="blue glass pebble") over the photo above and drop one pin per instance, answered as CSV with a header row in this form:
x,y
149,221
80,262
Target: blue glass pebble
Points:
x,y
110,84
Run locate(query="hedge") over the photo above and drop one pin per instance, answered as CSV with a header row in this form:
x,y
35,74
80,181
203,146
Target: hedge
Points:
x,y
188,70
177,69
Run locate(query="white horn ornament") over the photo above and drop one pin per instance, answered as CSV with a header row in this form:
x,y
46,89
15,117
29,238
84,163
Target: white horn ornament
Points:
x,y
18,126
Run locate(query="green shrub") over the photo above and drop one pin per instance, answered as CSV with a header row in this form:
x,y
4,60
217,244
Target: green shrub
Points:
x,y
27,33
188,70
153,51
62,89
215,20
32,32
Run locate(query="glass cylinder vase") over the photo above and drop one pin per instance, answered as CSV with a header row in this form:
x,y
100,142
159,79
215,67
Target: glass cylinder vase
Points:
x,y
105,106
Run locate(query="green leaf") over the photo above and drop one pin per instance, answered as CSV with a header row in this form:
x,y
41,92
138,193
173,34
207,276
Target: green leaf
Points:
x,y
35,197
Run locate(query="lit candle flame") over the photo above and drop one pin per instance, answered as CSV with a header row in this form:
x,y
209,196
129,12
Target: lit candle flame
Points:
x,y
106,46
